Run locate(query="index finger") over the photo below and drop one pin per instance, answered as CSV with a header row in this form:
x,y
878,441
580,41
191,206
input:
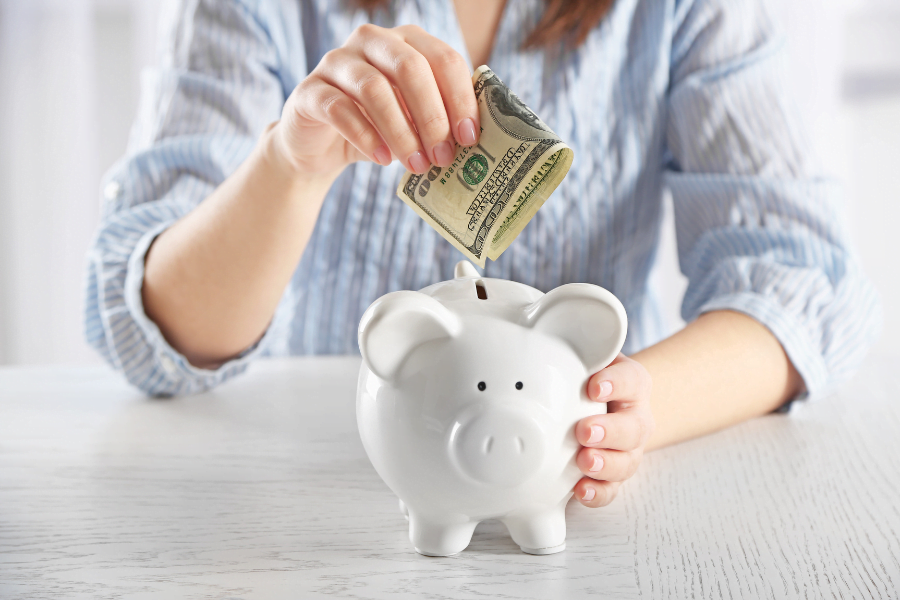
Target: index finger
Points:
x,y
454,81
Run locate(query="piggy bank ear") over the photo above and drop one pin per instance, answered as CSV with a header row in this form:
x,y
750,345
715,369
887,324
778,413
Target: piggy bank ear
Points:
x,y
588,318
397,324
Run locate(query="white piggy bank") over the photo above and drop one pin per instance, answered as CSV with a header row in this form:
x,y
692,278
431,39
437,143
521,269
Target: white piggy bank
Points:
x,y
468,397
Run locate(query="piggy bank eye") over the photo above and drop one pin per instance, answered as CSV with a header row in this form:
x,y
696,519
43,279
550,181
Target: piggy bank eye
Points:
x,y
482,386
519,385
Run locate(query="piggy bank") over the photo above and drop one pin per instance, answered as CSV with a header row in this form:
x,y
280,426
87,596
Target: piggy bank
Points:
x,y
467,400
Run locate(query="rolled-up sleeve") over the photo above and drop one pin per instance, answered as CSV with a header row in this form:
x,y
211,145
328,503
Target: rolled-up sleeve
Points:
x,y
202,110
759,228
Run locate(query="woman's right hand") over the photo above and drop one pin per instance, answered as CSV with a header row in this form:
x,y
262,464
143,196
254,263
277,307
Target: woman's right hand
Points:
x,y
354,105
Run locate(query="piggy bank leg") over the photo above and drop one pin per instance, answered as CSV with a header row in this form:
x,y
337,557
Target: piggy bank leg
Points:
x,y
433,536
539,531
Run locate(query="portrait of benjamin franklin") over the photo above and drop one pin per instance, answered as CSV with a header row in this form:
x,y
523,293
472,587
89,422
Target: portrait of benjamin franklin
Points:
x,y
509,105
512,115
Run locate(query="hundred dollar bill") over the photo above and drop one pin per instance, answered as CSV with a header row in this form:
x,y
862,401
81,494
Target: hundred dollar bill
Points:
x,y
484,199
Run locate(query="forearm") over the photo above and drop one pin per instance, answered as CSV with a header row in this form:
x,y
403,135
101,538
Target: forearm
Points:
x,y
213,280
723,368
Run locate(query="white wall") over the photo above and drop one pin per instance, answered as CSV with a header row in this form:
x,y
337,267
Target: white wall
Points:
x,y
871,112
70,71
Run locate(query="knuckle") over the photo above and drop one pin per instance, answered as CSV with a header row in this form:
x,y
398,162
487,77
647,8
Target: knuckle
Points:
x,y
401,139
293,120
367,138
298,97
294,110
366,31
623,467
403,136
448,58
359,134
612,371
309,87
331,104
633,371
623,472
607,494
331,59
414,29
300,90
373,86
410,65
435,126
641,434
643,376
462,104
634,461
306,98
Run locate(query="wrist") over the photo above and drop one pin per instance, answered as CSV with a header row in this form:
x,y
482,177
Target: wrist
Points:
x,y
279,166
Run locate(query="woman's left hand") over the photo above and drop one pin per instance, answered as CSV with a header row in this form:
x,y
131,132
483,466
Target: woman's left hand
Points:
x,y
614,442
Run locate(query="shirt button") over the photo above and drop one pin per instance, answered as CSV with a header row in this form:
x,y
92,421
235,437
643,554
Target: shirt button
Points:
x,y
112,190
167,363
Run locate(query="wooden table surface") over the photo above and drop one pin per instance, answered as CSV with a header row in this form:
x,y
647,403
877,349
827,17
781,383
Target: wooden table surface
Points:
x,y
261,489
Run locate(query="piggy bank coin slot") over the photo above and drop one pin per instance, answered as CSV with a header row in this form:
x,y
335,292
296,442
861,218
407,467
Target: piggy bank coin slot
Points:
x,y
480,290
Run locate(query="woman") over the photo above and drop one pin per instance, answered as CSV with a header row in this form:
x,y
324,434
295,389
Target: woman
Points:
x,y
255,211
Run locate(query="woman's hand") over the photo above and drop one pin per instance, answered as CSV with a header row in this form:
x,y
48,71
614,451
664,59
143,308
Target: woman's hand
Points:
x,y
614,442
386,93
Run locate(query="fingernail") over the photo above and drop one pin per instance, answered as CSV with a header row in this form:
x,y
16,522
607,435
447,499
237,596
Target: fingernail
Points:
x,y
467,132
443,153
597,433
383,155
588,494
418,162
598,464
605,389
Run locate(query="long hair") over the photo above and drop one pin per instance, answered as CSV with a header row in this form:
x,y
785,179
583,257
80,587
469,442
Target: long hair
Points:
x,y
567,21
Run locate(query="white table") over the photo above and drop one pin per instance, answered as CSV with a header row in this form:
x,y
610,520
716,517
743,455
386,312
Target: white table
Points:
x,y
261,489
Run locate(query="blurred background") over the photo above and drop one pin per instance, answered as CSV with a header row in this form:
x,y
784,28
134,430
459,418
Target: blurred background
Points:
x,y
70,73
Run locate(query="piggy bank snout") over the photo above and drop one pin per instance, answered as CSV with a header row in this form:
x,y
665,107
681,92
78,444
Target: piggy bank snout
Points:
x,y
497,445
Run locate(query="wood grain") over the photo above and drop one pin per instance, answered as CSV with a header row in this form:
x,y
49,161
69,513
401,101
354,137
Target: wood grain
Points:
x,y
261,489
803,505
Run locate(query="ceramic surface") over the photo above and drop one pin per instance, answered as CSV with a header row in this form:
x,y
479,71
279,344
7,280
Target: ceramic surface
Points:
x,y
467,401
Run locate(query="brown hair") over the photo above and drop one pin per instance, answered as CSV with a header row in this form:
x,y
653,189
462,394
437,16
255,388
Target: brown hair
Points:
x,y
568,21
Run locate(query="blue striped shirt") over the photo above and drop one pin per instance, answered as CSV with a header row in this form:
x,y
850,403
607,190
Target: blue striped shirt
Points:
x,y
687,95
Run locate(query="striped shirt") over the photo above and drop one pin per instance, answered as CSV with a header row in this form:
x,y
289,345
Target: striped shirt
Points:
x,y
684,95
